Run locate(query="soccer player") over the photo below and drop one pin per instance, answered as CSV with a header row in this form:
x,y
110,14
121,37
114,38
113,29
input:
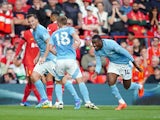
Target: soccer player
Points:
x,y
53,26
46,62
66,40
29,60
121,63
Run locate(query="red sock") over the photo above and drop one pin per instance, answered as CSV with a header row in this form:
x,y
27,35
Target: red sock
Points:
x,y
63,89
49,87
27,91
36,93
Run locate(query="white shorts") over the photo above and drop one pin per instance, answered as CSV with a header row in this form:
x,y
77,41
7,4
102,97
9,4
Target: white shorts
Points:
x,y
124,70
69,66
48,66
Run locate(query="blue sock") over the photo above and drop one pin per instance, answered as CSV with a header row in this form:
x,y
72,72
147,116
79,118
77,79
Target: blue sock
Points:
x,y
134,86
40,87
72,90
58,91
116,93
84,92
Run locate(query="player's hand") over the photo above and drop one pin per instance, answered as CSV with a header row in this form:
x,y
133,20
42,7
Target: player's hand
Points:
x,y
75,46
42,60
139,69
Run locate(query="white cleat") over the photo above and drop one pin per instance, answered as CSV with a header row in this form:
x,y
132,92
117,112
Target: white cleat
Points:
x,y
91,106
50,104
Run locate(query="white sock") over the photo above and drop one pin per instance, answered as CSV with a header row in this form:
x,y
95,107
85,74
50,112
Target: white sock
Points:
x,y
121,101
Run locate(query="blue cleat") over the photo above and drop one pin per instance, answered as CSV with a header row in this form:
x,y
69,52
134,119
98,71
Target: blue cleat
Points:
x,y
25,104
77,104
43,104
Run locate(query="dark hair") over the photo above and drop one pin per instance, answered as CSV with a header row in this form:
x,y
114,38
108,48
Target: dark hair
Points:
x,y
31,15
10,75
151,14
10,48
55,13
130,32
96,37
157,67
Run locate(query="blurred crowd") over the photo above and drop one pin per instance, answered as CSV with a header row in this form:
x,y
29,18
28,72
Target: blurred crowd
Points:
x,y
134,24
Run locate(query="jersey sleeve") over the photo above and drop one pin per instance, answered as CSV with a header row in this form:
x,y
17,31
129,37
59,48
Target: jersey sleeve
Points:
x,y
98,63
45,35
52,39
122,51
71,30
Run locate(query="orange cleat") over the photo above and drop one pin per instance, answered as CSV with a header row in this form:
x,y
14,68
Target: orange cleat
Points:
x,y
141,92
121,106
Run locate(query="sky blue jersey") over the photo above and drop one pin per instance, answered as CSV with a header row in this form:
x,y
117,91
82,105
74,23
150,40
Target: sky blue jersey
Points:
x,y
114,52
63,41
41,35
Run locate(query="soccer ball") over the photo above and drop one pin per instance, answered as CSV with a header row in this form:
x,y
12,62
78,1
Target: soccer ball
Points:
x,y
59,105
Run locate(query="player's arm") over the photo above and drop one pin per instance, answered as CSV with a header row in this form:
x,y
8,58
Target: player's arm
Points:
x,y
36,58
77,41
138,68
42,59
52,49
47,48
123,51
116,47
98,64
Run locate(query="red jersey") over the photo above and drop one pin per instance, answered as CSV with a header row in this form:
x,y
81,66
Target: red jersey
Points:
x,y
89,21
52,27
11,1
153,52
31,49
138,17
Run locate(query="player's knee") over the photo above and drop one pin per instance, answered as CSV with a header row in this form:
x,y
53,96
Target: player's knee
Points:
x,y
35,77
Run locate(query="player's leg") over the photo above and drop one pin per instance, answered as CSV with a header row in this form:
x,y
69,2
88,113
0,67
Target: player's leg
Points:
x,y
112,75
36,93
59,94
128,84
75,72
29,86
69,86
61,75
27,91
84,91
112,78
134,86
36,79
49,87
29,70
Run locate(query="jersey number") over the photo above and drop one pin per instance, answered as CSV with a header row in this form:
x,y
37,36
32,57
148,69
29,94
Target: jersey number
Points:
x,y
62,38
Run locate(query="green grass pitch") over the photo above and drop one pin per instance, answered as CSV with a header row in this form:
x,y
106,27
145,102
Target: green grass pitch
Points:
x,y
68,113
